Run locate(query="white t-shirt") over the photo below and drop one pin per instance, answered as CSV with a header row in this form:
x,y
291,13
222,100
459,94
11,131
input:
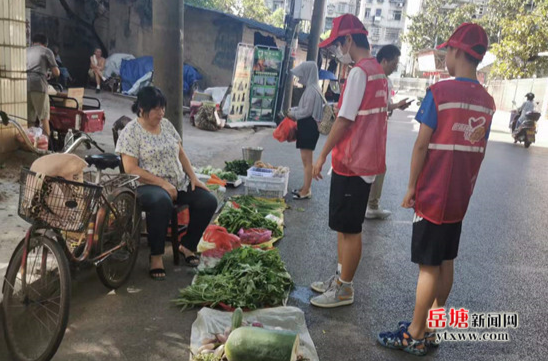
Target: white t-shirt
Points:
x,y
352,100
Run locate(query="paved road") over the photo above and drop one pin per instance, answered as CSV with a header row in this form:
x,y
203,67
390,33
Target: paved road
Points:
x,y
501,267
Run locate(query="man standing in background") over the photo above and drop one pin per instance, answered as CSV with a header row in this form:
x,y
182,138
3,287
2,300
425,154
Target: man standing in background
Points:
x,y
40,59
389,58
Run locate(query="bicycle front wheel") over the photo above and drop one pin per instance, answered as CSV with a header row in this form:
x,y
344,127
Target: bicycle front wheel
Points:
x,y
121,228
36,305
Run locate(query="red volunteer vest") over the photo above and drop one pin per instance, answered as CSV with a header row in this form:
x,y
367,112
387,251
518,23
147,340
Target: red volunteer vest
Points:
x,y
456,150
362,150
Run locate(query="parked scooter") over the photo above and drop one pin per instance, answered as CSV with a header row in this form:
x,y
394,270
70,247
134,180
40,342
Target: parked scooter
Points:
x,y
526,132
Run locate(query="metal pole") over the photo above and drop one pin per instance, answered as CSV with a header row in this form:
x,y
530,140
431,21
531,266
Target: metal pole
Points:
x,y
286,83
168,33
316,30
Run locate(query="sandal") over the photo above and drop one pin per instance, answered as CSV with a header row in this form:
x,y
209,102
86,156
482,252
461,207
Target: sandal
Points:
x,y
402,340
192,260
299,197
157,274
429,337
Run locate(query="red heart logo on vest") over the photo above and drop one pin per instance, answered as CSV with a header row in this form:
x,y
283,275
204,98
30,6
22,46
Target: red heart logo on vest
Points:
x,y
476,122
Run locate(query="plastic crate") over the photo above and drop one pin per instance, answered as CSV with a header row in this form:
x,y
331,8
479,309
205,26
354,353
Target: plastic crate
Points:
x,y
255,172
274,187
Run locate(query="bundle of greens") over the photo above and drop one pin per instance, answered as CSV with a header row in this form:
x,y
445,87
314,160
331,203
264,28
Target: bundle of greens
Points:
x,y
264,206
224,175
234,219
245,277
239,167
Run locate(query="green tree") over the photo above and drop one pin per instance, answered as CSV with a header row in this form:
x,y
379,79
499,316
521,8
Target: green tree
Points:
x,y
251,9
436,21
522,37
277,18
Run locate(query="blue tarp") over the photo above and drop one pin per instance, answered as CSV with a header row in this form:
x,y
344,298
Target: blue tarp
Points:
x,y
133,70
190,76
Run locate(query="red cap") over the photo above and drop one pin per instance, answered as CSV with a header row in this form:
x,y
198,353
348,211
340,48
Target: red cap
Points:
x,y
466,37
344,25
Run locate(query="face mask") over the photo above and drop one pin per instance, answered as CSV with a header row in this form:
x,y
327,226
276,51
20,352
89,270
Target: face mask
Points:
x,y
343,58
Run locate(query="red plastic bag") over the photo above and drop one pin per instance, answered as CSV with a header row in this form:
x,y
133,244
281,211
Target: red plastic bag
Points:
x,y
224,241
286,131
255,235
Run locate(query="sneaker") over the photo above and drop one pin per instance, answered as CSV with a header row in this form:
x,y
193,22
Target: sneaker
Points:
x,y
377,213
321,287
429,337
402,340
337,295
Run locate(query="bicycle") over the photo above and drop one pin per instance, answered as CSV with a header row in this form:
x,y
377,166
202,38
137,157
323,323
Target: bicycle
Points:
x,y
36,287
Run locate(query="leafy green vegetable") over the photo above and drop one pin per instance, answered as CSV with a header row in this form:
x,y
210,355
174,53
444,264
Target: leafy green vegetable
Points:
x,y
244,217
239,167
245,277
263,206
224,175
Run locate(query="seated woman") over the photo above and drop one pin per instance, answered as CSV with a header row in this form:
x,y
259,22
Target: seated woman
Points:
x,y
152,149
96,68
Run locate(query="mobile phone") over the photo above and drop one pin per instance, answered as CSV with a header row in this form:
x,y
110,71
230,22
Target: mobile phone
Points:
x,y
410,101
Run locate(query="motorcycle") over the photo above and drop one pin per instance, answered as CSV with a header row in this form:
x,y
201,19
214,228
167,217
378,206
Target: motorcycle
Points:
x,y
526,132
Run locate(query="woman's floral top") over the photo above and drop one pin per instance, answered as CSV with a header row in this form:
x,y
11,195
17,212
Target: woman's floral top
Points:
x,y
158,154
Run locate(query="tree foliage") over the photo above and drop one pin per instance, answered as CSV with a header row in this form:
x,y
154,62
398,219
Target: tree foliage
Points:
x,y
277,18
251,9
517,29
523,35
436,21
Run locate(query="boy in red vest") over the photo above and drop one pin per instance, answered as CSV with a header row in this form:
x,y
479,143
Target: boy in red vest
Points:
x,y
455,121
358,142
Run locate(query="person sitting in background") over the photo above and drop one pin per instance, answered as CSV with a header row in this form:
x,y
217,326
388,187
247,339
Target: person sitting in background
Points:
x,y
64,77
96,68
152,149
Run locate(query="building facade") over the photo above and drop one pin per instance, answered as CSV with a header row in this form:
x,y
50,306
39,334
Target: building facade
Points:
x,y
336,8
385,21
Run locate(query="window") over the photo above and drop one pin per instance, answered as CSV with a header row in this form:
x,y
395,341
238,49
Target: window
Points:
x,y
378,12
367,13
392,34
397,15
342,8
370,1
351,9
376,32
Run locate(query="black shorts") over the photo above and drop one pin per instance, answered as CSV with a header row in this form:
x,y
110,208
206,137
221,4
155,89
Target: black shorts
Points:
x,y
432,243
307,133
347,203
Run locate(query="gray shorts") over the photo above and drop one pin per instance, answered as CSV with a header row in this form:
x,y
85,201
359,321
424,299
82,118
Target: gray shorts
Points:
x,y
37,107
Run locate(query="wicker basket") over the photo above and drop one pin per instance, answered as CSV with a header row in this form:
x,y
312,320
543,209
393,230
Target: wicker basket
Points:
x,y
56,202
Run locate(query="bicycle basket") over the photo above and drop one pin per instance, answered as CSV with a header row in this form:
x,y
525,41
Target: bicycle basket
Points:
x,y
56,202
110,182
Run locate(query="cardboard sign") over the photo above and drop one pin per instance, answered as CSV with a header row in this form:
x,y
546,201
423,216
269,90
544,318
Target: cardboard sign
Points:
x,y
75,93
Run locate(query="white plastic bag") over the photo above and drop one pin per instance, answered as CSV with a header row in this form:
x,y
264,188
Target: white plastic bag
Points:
x,y
210,322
